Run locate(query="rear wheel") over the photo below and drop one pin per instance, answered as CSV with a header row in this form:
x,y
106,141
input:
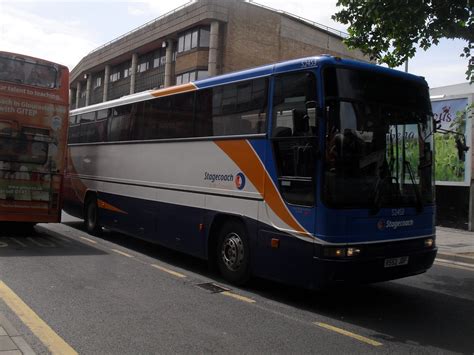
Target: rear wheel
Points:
x,y
233,254
91,217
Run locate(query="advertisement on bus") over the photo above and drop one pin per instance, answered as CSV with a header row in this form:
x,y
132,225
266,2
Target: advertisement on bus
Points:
x,y
33,127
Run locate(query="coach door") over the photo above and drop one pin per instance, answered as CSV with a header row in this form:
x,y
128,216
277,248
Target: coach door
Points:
x,y
292,154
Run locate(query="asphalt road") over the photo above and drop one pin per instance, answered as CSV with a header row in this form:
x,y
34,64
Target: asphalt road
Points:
x,y
116,294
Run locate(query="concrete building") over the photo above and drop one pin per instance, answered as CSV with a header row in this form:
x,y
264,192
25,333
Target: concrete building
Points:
x,y
200,39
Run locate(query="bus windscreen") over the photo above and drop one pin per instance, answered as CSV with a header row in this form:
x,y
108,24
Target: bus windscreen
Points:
x,y
21,71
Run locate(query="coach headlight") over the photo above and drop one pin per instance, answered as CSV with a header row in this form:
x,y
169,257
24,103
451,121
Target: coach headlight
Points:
x,y
336,252
429,242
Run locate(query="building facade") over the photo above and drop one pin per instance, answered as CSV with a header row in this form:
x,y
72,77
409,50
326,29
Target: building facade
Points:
x,y
200,39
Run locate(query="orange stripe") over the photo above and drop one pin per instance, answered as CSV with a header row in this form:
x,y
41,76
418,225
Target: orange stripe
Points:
x,y
174,90
243,155
107,206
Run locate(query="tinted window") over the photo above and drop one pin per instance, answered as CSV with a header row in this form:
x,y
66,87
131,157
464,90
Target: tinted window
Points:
x,y
153,123
294,136
235,109
119,123
164,118
74,130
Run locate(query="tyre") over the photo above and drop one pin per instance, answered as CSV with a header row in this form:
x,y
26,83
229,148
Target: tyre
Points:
x,y
233,253
91,217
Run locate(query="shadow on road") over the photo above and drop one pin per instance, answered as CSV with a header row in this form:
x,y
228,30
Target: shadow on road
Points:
x,y
410,315
18,241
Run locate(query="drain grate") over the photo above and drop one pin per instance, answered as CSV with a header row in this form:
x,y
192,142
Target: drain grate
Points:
x,y
212,287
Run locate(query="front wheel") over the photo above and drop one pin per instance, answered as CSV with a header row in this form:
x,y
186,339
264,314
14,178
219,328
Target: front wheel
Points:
x,y
233,254
91,217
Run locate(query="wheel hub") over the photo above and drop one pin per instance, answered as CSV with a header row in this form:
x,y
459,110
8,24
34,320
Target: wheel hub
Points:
x,y
232,251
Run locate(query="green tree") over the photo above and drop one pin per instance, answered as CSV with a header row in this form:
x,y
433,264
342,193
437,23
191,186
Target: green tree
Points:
x,y
389,30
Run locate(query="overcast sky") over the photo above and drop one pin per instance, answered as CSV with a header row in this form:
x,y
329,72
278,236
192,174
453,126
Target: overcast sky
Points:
x,y
65,31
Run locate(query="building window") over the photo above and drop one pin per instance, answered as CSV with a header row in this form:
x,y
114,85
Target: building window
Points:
x,y
98,82
114,77
202,74
191,76
204,37
197,37
127,72
143,67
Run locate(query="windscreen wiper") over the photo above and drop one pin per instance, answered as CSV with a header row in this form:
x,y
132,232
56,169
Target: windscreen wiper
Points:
x,y
419,202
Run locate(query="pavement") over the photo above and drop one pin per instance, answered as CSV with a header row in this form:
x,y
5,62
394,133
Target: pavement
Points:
x,y
11,342
454,246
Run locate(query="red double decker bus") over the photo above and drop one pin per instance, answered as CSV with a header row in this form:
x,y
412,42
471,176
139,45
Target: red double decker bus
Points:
x,y
34,98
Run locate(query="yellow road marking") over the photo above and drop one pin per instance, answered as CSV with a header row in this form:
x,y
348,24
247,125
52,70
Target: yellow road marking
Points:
x,y
89,240
349,334
122,253
238,297
42,330
174,273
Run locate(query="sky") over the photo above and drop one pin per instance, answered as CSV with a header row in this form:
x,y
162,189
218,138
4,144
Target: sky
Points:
x,y
66,31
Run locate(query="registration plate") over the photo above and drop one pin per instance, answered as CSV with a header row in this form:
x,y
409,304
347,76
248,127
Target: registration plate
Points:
x,y
403,260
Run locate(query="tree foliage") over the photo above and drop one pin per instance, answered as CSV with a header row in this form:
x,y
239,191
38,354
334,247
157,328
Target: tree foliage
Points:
x,y
389,30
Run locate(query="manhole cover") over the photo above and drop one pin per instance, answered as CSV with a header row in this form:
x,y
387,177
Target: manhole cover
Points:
x,y
212,287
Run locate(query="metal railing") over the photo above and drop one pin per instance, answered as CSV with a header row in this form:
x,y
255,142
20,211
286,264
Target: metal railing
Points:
x,y
143,26
312,23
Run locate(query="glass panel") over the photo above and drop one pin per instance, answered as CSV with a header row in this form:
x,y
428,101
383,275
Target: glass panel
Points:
x,y
185,78
194,39
21,71
239,108
379,151
294,136
181,44
202,74
87,117
187,41
204,38
119,124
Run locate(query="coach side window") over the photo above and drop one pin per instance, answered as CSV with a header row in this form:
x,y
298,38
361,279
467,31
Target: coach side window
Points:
x,y
235,109
88,128
119,123
155,120
74,130
181,126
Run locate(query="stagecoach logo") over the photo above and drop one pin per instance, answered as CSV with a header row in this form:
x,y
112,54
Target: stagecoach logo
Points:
x,y
382,224
240,181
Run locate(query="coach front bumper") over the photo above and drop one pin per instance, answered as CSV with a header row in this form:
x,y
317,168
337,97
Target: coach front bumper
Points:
x,y
375,263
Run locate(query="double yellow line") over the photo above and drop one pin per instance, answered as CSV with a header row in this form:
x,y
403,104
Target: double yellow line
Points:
x,y
43,331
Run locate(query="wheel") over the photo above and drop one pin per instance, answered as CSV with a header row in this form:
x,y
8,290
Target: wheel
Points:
x,y
91,217
233,254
